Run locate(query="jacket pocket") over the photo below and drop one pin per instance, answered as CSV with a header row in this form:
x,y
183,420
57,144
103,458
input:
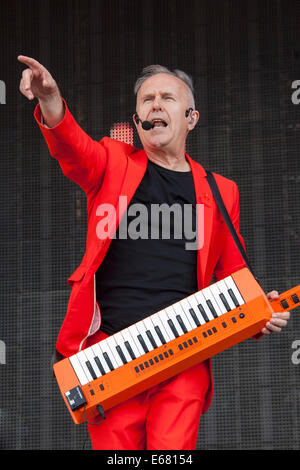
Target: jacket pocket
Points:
x,y
77,275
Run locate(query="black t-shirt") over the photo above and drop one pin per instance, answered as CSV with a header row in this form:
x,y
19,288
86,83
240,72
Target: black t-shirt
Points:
x,y
145,272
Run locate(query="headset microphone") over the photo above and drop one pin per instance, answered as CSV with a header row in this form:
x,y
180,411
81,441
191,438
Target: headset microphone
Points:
x,y
146,125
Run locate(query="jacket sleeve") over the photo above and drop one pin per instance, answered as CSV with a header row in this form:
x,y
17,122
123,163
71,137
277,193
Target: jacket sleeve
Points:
x,y
230,259
82,159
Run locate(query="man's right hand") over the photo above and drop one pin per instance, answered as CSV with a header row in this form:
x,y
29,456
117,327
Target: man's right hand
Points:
x,y
38,83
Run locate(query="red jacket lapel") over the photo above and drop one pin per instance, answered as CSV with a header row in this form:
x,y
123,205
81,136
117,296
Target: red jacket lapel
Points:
x,y
203,198
137,165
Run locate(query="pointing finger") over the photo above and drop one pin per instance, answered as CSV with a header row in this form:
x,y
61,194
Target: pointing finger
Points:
x,y
33,64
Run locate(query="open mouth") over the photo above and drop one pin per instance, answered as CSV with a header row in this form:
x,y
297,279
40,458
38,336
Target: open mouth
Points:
x,y
159,123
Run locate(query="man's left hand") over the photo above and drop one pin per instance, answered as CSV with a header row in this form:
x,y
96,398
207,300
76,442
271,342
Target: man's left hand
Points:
x,y
279,319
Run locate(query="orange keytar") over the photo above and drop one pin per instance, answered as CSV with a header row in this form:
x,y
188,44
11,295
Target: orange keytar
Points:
x,y
177,355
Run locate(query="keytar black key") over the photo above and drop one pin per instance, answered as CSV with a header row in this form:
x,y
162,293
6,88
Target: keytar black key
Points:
x,y
143,344
100,366
129,349
203,313
160,335
225,303
108,361
172,326
151,339
91,370
212,309
194,316
121,354
180,321
234,299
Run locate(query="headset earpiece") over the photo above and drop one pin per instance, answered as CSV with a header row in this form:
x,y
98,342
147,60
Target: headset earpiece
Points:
x,y
188,112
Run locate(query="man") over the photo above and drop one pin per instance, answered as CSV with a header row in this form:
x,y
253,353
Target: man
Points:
x,y
129,277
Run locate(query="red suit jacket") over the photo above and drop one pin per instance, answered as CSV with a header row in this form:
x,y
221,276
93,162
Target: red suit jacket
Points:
x,y
106,170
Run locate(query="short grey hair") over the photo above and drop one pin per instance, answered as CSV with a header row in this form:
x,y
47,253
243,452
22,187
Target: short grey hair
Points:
x,y
151,70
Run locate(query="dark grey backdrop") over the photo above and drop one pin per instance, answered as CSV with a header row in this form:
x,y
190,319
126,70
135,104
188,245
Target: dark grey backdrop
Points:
x,y
244,56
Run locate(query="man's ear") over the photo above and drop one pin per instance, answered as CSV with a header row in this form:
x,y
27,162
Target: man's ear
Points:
x,y
194,118
135,119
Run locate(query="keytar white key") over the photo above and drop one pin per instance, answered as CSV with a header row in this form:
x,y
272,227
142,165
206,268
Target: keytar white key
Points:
x,y
209,297
112,345
98,353
140,326
104,346
172,316
207,315
135,333
82,377
157,322
231,285
179,311
192,303
127,334
150,327
120,342
221,286
81,356
91,358
164,319
215,292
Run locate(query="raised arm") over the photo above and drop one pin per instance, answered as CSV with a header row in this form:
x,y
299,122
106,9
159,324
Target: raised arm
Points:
x,y
82,159
38,83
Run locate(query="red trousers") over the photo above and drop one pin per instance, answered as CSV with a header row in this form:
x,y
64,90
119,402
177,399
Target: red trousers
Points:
x,y
165,416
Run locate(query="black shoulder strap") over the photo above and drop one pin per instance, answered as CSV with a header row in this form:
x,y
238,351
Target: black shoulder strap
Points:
x,y
216,193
